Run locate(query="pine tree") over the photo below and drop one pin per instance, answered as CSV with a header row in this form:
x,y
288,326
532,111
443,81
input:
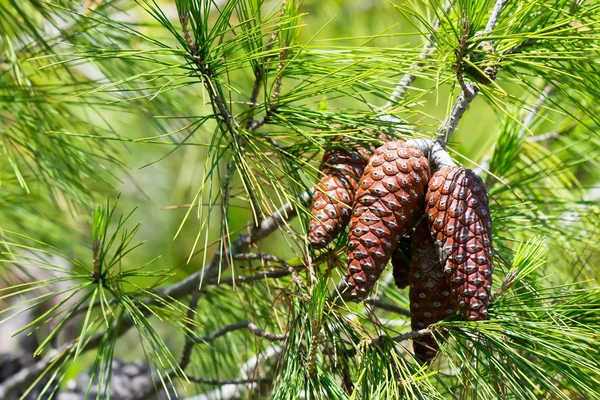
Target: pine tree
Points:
x,y
213,116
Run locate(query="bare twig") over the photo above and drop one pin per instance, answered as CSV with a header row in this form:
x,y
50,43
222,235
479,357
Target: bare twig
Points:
x,y
181,289
221,382
193,304
543,137
271,258
233,391
387,306
256,331
240,245
470,90
408,78
405,336
24,378
259,73
244,279
525,125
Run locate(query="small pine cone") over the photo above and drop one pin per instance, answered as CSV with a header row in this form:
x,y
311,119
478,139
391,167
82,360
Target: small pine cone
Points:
x,y
430,294
390,193
461,226
487,63
401,262
334,194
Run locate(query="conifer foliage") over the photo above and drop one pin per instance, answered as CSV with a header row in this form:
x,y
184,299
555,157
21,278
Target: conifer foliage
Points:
x,y
325,189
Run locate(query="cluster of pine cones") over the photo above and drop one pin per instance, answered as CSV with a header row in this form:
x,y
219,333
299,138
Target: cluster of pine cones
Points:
x,y
435,228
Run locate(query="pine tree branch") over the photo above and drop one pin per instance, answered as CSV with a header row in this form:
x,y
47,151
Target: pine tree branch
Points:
x,y
409,78
405,336
181,289
222,382
240,245
270,258
470,90
24,378
525,125
387,306
255,330
260,72
233,391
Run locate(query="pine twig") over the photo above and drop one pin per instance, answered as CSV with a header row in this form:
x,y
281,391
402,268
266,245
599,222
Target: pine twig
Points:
x,y
219,105
469,91
525,125
405,336
222,382
232,391
387,306
255,330
181,289
240,245
259,74
409,78
283,53
270,258
274,95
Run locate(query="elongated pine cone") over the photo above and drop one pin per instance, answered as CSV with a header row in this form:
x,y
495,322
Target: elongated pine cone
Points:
x,y
334,194
401,262
390,193
430,294
461,226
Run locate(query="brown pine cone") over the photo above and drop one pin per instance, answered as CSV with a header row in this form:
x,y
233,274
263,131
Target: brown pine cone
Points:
x,y
390,193
334,194
430,295
461,226
401,262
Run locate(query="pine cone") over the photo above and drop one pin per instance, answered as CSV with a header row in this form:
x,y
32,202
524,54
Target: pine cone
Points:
x,y
401,262
334,194
430,294
390,193
461,226
484,56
